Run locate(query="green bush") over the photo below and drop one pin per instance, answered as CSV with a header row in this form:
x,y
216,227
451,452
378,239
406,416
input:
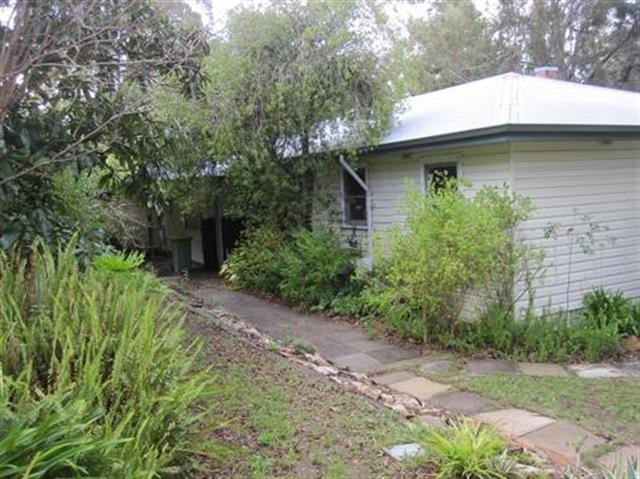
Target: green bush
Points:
x,y
254,264
94,357
315,268
452,246
310,267
469,450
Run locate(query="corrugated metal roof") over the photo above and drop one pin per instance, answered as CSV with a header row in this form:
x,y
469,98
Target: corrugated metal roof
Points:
x,y
513,100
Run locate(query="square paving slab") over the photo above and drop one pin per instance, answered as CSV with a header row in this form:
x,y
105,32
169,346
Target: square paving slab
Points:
x,y
543,369
462,402
420,387
388,379
514,422
564,441
392,354
597,371
490,366
358,362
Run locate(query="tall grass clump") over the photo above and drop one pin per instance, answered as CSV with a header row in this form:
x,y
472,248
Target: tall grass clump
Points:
x,y
94,375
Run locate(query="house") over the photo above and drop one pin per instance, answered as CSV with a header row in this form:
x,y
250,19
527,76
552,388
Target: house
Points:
x,y
573,149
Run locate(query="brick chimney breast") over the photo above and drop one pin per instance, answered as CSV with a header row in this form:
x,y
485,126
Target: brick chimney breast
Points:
x,y
547,71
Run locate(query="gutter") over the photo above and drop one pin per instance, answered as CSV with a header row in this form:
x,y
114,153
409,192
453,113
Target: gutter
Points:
x,y
502,133
365,187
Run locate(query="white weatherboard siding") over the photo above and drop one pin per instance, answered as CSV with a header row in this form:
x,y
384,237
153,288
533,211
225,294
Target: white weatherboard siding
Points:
x,y
566,180
390,175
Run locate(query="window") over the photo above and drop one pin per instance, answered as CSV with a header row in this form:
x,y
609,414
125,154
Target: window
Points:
x,y
436,176
354,198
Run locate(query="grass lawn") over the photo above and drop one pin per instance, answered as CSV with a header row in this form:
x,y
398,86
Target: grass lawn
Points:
x,y
282,420
608,407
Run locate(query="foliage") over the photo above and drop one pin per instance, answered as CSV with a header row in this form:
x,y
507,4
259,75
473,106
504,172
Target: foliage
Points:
x,y
254,263
537,338
119,262
603,308
309,267
591,42
467,450
288,82
315,267
453,45
75,95
52,440
452,246
95,354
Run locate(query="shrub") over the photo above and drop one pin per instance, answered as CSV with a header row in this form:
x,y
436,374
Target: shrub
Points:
x,y
452,246
255,262
603,308
468,450
103,351
315,268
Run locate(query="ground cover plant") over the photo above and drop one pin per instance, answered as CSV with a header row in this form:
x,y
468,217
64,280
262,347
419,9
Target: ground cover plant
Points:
x,y
94,375
469,450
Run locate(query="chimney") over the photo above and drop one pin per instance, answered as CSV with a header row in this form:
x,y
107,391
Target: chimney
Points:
x,y
547,71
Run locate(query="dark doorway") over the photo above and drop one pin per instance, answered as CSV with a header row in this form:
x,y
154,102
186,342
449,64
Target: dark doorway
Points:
x,y
231,231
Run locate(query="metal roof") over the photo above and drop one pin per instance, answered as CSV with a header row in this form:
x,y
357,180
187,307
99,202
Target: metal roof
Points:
x,y
514,102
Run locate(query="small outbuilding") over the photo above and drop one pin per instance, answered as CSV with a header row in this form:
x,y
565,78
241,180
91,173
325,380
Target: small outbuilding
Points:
x,y
573,149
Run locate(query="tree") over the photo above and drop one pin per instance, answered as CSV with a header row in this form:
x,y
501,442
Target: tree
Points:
x,y
75,90
453,45
289,83
590,41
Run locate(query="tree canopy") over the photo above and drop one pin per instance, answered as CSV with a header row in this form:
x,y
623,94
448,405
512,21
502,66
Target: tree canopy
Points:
x,y
591,41
288,83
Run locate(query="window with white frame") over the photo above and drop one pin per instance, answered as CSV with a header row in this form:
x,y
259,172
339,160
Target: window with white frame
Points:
x,y
354,198
436,176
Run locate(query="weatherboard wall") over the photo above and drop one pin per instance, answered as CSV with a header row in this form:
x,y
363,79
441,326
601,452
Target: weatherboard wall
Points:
x,y
565,180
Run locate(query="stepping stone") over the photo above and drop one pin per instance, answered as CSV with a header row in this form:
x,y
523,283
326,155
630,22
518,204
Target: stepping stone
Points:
x,y
514,422
543,369
462,402
563,441
632,369
621,457
597,371
420,387
431,421
403,451
438,366
358,362
491,366
391,378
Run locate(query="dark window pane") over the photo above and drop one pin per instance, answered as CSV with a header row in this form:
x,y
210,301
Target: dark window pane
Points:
x,y
355,198
437,176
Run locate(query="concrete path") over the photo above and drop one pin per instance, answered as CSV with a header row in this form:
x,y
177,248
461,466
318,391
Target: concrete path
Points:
x,y
397,368
337,341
